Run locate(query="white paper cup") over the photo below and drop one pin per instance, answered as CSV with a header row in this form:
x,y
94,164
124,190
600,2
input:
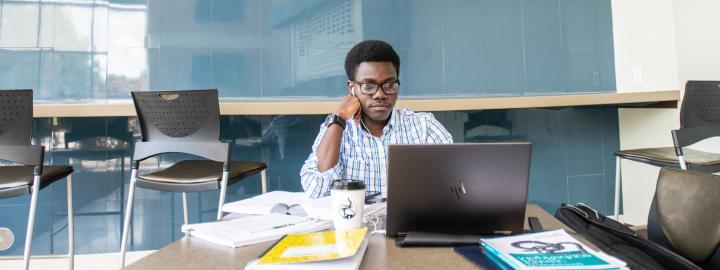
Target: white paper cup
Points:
x,y
348,202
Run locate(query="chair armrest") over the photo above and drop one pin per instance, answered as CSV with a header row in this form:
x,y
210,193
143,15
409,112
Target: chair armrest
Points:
x,y
30,155
686,136
216,151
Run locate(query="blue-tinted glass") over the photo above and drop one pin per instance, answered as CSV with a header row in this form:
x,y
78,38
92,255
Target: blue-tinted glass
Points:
x,y
285,49
458,78
236,73
77,76
544,58
22,68
179,24
230,10
71,75
584,143
605,50
74,26
420,72
581,45
26,25
14,217
127,70
590,190
572,161
90,51
127,24
182,68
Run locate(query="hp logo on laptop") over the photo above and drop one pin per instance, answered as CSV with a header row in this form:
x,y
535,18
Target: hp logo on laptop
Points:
x,y
458,189
6,238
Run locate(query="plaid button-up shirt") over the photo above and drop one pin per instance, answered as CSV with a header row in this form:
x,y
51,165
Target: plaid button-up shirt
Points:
x,y
364,157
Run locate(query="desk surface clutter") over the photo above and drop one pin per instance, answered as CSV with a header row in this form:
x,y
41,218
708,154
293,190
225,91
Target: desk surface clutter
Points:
x,y
381,253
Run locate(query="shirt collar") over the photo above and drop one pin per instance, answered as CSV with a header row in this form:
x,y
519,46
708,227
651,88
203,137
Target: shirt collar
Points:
x,y
393,121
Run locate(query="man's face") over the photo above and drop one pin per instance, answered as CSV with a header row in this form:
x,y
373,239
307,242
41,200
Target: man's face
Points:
x,y
376,107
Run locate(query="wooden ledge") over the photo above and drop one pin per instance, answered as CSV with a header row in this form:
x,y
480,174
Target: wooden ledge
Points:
x,y
663,99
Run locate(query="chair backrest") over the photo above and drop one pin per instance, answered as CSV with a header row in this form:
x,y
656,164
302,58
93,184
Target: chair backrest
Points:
x,y
683,216
16,108
700,104
178,116
699,115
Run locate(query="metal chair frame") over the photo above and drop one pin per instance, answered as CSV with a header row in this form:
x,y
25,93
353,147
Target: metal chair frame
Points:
x,y
16,147
178,122
699,120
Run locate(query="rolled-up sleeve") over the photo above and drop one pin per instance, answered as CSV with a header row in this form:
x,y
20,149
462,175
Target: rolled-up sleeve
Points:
x,y
316,184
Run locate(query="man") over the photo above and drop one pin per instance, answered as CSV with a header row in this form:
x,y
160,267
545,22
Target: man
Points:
x,y
352,143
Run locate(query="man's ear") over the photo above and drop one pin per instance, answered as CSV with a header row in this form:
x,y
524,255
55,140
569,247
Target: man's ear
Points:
x,y
351,88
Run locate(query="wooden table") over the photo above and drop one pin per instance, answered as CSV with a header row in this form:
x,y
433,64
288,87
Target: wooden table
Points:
x,y
296,106
191,253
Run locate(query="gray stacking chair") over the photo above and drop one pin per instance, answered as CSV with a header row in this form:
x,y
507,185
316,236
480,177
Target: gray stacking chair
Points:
x,y
28,175
699,120
183,122
683,215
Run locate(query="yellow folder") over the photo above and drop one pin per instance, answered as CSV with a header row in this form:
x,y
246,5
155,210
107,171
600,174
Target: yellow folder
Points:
x,y
318,246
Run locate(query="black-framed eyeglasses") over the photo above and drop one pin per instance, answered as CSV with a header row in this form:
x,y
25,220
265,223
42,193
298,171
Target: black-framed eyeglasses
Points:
x,y
390,88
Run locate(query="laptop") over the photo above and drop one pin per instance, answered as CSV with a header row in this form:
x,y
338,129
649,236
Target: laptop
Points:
x,y
462,188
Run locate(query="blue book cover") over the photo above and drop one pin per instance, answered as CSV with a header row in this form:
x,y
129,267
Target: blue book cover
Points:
x,y
477,255
547,250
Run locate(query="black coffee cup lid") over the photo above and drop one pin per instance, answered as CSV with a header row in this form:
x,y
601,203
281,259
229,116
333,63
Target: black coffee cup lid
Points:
x,y
348,184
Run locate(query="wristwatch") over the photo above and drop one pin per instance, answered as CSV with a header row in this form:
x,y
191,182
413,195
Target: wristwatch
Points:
x,y
334,119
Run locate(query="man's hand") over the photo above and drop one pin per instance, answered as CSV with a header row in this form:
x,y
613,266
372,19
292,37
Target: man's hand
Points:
x,y
329,149
349,107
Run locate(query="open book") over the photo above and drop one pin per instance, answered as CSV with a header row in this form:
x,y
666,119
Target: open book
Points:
x,y
290,203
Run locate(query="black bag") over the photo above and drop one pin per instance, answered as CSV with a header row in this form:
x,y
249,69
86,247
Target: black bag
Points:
x,y
620,241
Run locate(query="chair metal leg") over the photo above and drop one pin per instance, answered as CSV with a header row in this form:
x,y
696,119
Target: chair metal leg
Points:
x,y
31,221
185,208
71,226
618,183
128,216
681,160
263,180
223,189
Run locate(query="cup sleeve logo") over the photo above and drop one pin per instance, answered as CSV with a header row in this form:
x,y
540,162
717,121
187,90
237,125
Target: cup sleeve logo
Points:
x,y
347,210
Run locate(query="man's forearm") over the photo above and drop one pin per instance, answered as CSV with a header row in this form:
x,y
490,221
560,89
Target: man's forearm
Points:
x,y
329,149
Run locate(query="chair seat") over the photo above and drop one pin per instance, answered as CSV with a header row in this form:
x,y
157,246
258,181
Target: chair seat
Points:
x,y
18,179
198,175
665,156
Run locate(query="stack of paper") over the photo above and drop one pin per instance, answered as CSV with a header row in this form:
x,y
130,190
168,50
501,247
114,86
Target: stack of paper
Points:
x,y
253,229
547,250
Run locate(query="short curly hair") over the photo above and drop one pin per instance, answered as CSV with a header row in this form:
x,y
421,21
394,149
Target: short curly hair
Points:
x,y
370,51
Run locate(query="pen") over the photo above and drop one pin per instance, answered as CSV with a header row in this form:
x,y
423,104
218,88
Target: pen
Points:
x,y
278,226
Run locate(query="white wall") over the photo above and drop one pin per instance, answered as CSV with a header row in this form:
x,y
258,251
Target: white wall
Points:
x,y
659,44
645,60
697,32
